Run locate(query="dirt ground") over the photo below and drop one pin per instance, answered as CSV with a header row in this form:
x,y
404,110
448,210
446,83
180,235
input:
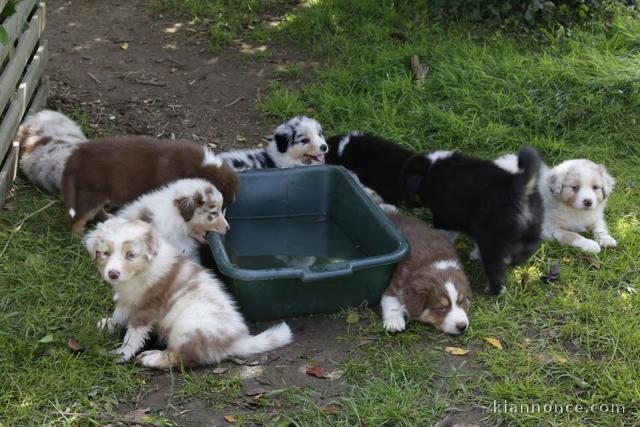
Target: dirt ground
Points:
x,y
134,71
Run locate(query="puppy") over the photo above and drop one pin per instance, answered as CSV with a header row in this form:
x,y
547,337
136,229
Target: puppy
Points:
x,y
503,212
118,170
429,285
298,142
47,139
182,212
162,291
575,195
377,162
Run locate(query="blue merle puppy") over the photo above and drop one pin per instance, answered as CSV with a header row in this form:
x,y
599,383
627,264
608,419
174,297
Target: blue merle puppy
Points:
x,y
297,142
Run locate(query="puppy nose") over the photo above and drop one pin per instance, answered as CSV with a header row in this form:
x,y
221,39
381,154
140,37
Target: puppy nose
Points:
x,y
113,274
324,148
462,326
587,202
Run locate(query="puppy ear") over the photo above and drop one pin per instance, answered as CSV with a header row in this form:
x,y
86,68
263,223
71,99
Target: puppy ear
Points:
x,y
415,296
284,137
186,206
608,180
413,175
90,242
555,180
151,243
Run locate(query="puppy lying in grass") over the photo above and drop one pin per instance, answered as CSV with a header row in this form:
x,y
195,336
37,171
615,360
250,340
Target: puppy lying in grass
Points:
x,y
429,285
297,142
162,291
119,170
575,195
183,212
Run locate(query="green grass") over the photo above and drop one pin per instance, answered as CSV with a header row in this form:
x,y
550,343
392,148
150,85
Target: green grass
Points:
x,y
574,341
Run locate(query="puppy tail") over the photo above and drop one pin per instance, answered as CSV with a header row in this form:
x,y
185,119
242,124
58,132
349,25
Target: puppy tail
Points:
x,y
68,188
274,337
526,180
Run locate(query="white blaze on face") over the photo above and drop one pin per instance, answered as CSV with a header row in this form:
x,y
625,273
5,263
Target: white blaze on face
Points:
x,y
456,316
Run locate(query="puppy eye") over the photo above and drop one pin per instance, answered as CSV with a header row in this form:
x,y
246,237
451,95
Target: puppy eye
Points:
x,y
575,187
596,187
213,215
130,255
106,253
305,140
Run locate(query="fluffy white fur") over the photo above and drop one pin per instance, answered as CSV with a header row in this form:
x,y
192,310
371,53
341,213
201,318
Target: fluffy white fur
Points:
x,y
47,139
575,195
297,142
161,209
159,290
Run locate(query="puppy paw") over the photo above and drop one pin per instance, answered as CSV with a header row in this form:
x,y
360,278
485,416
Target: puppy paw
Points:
x,y
588,245
123,355
606,241
474,255
394,324
495,291
151,358
106,324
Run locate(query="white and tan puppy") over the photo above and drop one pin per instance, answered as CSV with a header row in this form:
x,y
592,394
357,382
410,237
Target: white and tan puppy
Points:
x,y
47,139
575,195
183,212
162,291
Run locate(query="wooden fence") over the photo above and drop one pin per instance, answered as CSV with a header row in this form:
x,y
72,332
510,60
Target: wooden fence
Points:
x,y
23,86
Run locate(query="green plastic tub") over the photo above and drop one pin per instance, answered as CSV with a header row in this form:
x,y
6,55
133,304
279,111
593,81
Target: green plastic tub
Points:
x,y
305,240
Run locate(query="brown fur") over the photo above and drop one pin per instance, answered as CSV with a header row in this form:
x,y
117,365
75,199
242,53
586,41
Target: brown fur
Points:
x,y
420,287
118,170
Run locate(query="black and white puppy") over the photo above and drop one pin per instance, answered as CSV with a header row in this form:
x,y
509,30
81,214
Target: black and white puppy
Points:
x,y
297,142
501,211
377,162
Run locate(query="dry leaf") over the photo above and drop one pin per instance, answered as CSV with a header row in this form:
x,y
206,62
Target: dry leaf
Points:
x,y
46,339
456,351
316,371
460,245
328,410
526,342
595,263
240,138
494,342
124,46
561,360
137,416
219,370
255,391
230,418
74,345
264,380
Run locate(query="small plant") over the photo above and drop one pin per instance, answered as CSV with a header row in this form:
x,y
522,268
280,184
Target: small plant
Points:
x,y
8,10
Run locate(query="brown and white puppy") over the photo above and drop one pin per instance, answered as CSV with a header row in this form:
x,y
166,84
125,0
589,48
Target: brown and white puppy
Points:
x,y
161,291
47,139
183,212
430,285
119,170
575,195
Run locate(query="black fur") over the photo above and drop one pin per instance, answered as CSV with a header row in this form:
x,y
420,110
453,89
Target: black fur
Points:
x,y
376,161
501,211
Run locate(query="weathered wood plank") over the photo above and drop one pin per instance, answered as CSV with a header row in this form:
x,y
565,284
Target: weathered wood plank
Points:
x,y
25,92
12,73
8,173
14,24
39,100
3,3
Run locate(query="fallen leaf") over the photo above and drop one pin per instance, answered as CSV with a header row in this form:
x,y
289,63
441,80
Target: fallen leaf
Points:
x,y
561,360
526,342
137,416
240,138
460,245
46,339
353,318
456,351
230,419
316,371
311,110
237,361
262,360
335,374
264,380
595,263
124,46
219,371
328,410
255,391
494,342
566,260
74,345
553,275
